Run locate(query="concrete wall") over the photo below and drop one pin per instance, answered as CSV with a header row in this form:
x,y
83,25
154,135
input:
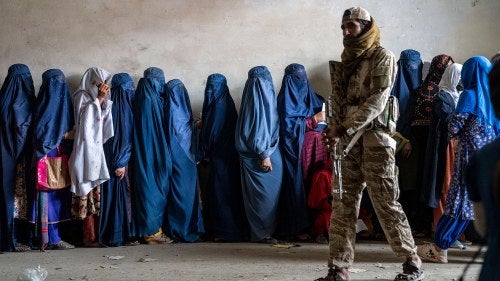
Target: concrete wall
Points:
x,y
191,39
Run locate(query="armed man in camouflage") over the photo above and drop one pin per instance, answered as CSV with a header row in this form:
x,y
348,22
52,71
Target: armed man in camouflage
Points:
x,y
361,90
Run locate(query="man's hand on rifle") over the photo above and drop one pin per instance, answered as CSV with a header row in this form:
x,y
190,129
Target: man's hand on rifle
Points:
x,y
332,135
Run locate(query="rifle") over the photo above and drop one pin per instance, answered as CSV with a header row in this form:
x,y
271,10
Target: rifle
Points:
x,y
336,72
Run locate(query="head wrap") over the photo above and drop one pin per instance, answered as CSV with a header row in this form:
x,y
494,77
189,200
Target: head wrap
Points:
x,y
428,89
91,78
450,80
475,98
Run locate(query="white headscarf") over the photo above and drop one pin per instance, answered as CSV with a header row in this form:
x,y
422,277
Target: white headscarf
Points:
x,y
450,80
93,127
91,78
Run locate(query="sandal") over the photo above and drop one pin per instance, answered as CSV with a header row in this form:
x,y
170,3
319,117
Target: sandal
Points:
x,y
132,243
411,272
336,274
158,239
61,245
18,247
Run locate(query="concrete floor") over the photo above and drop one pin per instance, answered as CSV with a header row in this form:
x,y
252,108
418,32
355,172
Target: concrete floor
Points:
x,y
223,261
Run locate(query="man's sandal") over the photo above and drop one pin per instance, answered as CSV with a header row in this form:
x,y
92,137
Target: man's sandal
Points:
x,y
335,274
411,272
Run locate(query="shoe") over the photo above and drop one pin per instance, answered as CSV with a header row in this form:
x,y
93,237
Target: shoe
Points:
x,y
321,239
18,247
268,240
131,243
158,239
429,252
61,245
336,274
466,242
411,272
458,245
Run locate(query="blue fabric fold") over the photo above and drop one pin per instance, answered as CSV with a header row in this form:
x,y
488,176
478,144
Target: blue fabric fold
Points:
x,y
151,159
257,137
224,199
115,214
17,97
296,102
185,223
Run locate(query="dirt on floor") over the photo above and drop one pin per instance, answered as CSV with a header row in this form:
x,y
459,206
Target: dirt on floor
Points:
x,y
224,261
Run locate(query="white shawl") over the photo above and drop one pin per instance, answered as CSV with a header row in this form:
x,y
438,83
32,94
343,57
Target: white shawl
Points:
x,y
450,80
93,127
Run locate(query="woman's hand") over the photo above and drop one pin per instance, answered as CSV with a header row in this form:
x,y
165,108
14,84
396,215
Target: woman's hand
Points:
x,y
102,91
266,165
320,117
406,151
120,172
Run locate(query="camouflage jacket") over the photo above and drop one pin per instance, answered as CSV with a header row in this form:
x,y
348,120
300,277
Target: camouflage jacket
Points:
x,y
360,99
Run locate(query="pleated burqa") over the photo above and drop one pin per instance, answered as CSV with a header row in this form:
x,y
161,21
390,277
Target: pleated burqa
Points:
x,y
17,98
115,194
296,102
53,118
226,213
185,222
152,164
257,137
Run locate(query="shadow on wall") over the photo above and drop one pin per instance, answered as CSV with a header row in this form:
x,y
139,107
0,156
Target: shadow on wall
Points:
x,y
73,82
319,76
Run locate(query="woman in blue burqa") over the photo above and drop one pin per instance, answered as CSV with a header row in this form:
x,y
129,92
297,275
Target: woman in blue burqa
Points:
x,y
114,227
17,98
257,137
52,122
297,101
224,199
406,85
151,160
185,222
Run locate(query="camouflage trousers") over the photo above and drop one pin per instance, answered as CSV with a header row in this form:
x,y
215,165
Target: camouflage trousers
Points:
x,y
370,163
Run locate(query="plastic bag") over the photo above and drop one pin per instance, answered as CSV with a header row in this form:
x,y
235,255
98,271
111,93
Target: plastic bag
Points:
x,y
33,274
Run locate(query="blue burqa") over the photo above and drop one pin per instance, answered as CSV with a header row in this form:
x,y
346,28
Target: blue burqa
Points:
x,y
53,117
257,137
296,102
17,97
475,99
185,222
408,79
224,199
151,160
115,213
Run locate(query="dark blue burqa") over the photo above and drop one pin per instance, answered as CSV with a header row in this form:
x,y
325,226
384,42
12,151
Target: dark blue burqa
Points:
x,y
17,98
151,160
408,79
53,117
53,113
257,137
115,216
296,102
224,198
185,222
